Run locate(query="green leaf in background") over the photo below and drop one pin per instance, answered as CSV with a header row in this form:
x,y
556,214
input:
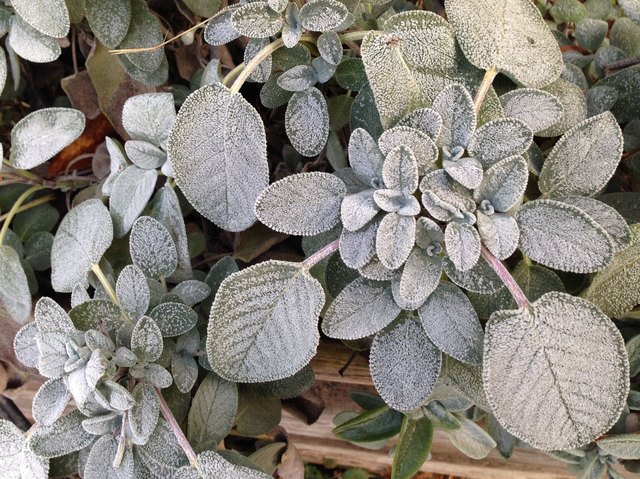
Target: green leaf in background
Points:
x,y
203,8
377,424
412,450
109,21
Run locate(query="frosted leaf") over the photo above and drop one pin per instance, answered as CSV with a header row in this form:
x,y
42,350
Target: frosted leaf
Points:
x,y
406,304
158,376
323,69
622,446
217,149
307,121
590,33
471,439
143,415
38,249
211,465
263,71
420,276
500,139
631,9
256,20
500,233
174,319
212,412
358,209
455,106
361,309
146,340
376,271
424,119
394,201
358,247
92,313
322,15
118,162
64,436
330,47
404,364
144,31
79,295
273,95
109,21
538,109
510,35
17,461
365,156
162,453
132,291
41,135
504,184
192,291
600,99
149,117
400,169
395,239
292,30
563,237
532,388
263,321
99,462
130,194
50,18
584,159
574,107
466,171
418,143
278,5
220,29
616,289
462,244
144,155
25,347
152,248
302,204
442,187
184,370
83,236
30,44
15,297
50,400
298,79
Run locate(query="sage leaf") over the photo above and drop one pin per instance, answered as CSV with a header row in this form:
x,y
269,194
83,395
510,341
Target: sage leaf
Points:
x,y
146,340
192,291
83,236
622,446
143,415
41,135
426,120
298,78
455,106
15,297
358,247
217,149
417,143
152,248
62,437
263,71
132,291
212,465
303,204
404,364
330,47
162,453
263,320
394,239
220,29
574,106
184,370
631,9
307,121
412,450
420,276
25,347
30,44
130,194
50,401
50,18
531,388
144,31
471,439
292,30
99,462
95,313
109,22
322,15
504,184
499,139
376,424
499,233
481,279
462,244
17,460
256,20
538,109
174,319
145,155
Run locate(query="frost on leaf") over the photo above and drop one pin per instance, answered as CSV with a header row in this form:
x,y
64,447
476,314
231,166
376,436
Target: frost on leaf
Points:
x,y
298,78
418,142
302,204
307,122
15,297
49,17
322,15
25,347
263,71
212,465
83,236
508,34
584,159
394,239
404,364
426,120
365,156
220,29
174,319
30,44
109,21
152,248
535,378
462,244
330,47
50,401
143,415
144,31
132,291
16,460
563,237
64,436
504,184
471,439
130,194
420,276
146,340
573,103
500,139
537,108
41,135
217,149
149,117
256,20
455,106
263,322
358,247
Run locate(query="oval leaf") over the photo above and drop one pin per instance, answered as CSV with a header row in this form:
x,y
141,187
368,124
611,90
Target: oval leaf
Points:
x,y
307,122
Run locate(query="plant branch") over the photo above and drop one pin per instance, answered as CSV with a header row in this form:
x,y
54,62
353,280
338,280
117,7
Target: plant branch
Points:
x,y
489,76
14,210
104,282
507,279
318,256
177,431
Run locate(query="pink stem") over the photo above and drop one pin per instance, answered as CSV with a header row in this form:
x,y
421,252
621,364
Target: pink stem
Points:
x,y
507,279
177,431
322,254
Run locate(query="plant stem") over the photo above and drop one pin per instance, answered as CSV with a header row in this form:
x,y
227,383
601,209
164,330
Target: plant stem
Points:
x,y
14,210
177,431
489,76
104,282
507,279
318,256
28,206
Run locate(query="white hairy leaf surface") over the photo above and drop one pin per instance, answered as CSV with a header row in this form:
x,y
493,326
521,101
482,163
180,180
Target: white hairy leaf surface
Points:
x,y
455,106
504,183
118,162
500,139
394,201
130,194
631,9
394,239
220,29
30,44
3,69
600,99
146,340
263,71
426,120
152,248
212,465
452,324
466,171
25,347
256,20
158,376
462,243
365,156
143,415
358,209
83,236
132,291
584,159
144,31
278,5
212,412
263,322
442,195
109,21
358,247
184,370
15,297
49,17
404,364
508,34
174,319
192,291
218,152
420,276
499,232
302,204
330,47
400,170
418,143
622,446
471,439
322,15
94,312
534,372
538,109
162,453
145,155
292,30
563,237
50,400
361,309
574,106
99,461
149,117
298,78
41,135
64,436
16,460
307,121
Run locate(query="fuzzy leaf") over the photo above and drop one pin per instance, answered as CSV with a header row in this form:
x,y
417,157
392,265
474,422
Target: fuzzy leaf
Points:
x,y
443,197
426,120
144,31
590,33
30,44
394,239
93,313
144,155
420,276
109,21
299,78
146,340
62,437
184,369
466,171
263,322
50,401
322,15
143,415
49,17
292,30
563,237
504,184
480,279
130,194
462,244
83,236
361,309
272,95
574,107
162,453
263,71
41,135
622,446
15,297
17,461
404,364
174,319
365,156
584,159
600,99
152,248
132,291
471,439
307,122
455,106
303,204
358,247
217,149
532,388
631,9
419,144
220,29
256,20
25,347
412,450
192,291
330,47
508,34
212,465
499,232
500,139
538,109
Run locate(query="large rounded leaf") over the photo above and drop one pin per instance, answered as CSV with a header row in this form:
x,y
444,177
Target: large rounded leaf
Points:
x,y
49,17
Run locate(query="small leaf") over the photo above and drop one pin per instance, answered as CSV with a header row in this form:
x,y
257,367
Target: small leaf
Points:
x,y
500,139
220,29
50,401
504,184
50,18
590,33
622,446
412,450
631,9
302,204
143,415
25,347
365,156
272,95
62,437
15,297
174,319
146,340
152,248
192,291
420,275
330,47
132,291
109,22
162,454
299,78
350,74
256,20
184,370
574,107
94,313
358,247
455,106
471,439
144,31
292,30
30,44
41,135
416,142
307,121
145,155
130,194
378,424
322,15
481,279
424,119
212,465
462,244
395,239
538,109
263,71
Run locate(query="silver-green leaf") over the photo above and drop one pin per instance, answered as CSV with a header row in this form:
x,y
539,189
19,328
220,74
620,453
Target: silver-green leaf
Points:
x,y
307,122
15,297
152,248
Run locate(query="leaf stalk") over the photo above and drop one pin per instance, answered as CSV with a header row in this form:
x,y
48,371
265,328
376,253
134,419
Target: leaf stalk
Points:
x,y
14,210
177,431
